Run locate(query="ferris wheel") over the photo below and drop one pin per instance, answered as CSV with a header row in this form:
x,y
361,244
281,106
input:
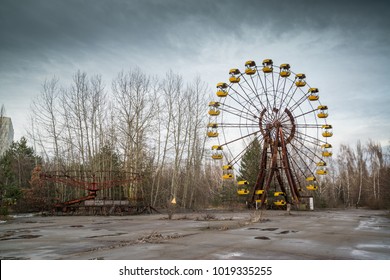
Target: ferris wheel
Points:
x,y
276,107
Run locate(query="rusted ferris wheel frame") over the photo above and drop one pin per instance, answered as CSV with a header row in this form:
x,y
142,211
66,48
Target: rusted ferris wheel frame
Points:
x,y
265,103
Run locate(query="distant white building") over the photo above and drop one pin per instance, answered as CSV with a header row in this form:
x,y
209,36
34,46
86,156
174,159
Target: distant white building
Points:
x,y
6,134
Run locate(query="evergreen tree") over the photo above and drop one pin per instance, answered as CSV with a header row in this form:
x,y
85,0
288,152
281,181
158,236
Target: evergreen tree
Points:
x,y
16,166
250,162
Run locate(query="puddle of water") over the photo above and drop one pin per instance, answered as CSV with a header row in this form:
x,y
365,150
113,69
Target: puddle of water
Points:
x,y
262,237
263,229
371,224
107,235
288,231
23,236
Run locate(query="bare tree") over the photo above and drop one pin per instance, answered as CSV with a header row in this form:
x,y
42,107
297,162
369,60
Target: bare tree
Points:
x,y
45,116
2,125
376,163
135,106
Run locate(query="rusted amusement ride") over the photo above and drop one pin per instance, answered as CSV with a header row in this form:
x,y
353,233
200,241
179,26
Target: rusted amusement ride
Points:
x,y
280,109
93,192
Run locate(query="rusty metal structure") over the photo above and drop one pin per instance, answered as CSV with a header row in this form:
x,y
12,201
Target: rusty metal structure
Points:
x,y
92,183
276,107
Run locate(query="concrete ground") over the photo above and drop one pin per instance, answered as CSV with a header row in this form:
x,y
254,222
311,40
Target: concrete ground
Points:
x,y
321,234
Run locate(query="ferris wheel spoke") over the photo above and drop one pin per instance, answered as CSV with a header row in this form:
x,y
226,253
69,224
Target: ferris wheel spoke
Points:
x,y
247,112
239,104
240,115
303,161
264,90
273,90
285,96
306,113
240,138
291,98
257,94
248,99
254,90
277,88
305,138
225,125
238,157
299,140
296,165
307,125
300,101
304,154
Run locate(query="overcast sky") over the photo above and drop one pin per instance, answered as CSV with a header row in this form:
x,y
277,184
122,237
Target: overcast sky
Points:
x,y
343,47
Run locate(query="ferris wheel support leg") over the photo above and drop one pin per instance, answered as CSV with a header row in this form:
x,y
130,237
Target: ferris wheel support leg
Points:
x,y
282,187
274,166
260,179
286,165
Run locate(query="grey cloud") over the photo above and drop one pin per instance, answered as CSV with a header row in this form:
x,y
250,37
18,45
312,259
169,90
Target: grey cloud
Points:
x,y
72,24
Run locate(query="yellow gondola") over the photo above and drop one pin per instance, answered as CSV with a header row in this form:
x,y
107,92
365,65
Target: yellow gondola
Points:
x,y
234,75
214,112
300,80
327,130
242,191
285,70
227,167
278,193
311,179
267,66
259,191
243,182
326,150
280,202
212,125
313,94
212,134
322,168
227,176
321,163
312,187
250,67
221,92
217,156
214,104
323,111
322,171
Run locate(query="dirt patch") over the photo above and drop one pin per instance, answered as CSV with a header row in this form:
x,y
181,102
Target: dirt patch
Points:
x,y
156,237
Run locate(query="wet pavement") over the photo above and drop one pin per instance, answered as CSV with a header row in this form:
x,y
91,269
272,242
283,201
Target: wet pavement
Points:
x,y
321,234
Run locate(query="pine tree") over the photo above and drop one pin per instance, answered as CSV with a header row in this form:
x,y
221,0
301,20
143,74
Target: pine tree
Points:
x,y
250,162
16,166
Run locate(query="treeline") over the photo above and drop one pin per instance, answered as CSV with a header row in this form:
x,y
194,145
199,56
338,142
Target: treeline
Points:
x,y
155,127
359,176
140,124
